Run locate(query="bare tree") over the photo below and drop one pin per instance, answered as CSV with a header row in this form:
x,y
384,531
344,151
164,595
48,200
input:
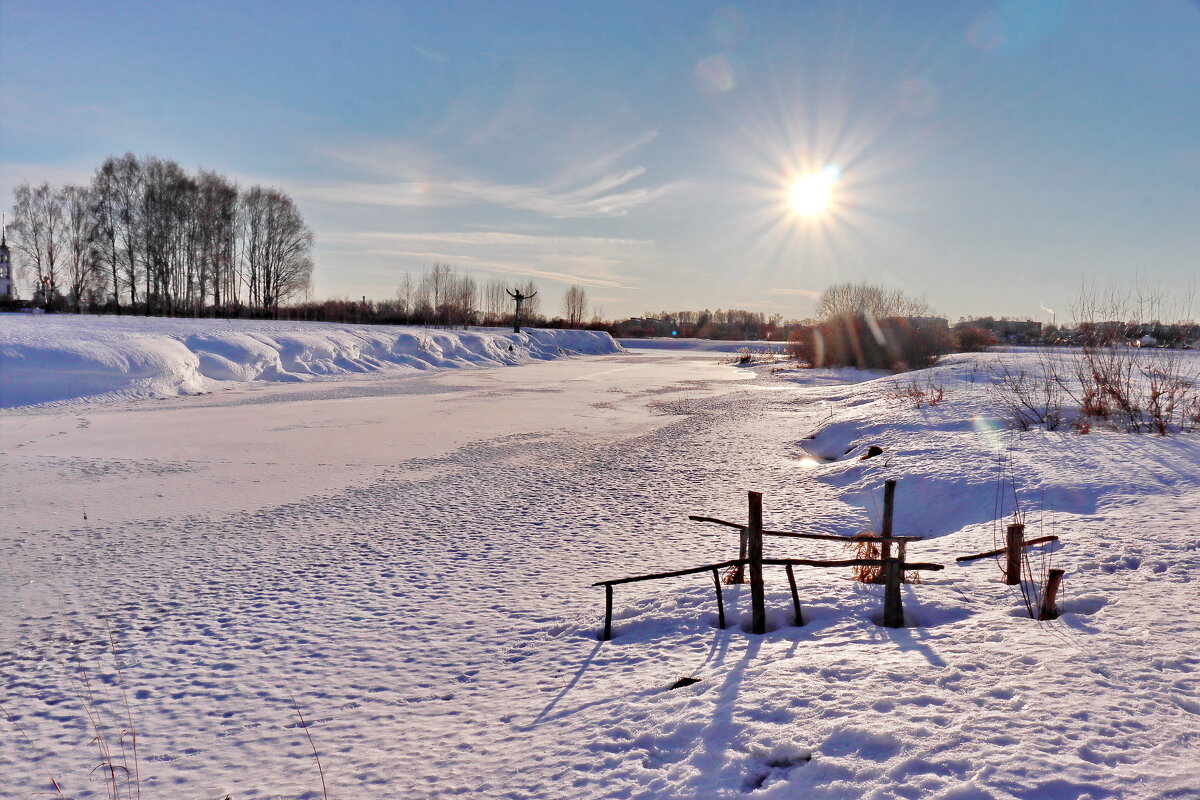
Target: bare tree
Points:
x,y
38,233
464,299
216,212
167,200
276,247
123,179
106,214
853,299
495,302
404,296
79,243
574,306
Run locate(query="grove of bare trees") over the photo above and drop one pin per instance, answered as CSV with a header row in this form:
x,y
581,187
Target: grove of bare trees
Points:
x,y
147,236
441,295
574,306
857,299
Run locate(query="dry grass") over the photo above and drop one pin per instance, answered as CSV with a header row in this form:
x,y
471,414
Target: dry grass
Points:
x,y
917,393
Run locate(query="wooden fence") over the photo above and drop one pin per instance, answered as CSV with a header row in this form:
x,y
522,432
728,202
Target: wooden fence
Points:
x,y
751,556
1015,544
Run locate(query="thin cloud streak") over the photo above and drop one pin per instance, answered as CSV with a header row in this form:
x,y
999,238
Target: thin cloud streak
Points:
x,y
589,260
506,268
591,188
589,202
810,293
486,238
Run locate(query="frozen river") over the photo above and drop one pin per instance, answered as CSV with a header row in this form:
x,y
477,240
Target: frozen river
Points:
x,y
411,560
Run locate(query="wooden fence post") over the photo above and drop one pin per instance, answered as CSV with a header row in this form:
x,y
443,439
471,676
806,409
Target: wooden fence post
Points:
x,y
754,552
1049,609
720,599
893,604
799,620
607,612
1014,543
889,506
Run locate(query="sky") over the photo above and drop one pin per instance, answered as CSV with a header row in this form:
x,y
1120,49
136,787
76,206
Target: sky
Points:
x,y
992,157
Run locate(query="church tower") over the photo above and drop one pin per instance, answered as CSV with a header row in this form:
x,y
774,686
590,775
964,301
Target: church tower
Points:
x,y
6,284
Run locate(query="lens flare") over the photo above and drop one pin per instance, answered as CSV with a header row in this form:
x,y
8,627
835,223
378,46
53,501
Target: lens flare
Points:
x,y
716,74
988,430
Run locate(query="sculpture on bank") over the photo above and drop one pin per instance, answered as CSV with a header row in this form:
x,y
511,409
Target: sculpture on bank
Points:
x,y
519,298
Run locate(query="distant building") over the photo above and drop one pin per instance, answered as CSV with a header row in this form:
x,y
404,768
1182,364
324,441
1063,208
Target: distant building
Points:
x,y
6,285
928,322
1010,330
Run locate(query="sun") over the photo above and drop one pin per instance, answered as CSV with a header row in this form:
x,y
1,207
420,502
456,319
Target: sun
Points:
x,y
813,194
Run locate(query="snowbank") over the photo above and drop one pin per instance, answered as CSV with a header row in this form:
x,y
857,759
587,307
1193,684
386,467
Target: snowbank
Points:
x,y
54,358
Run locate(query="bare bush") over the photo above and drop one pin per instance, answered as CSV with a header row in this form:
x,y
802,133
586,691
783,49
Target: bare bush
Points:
x,y
974,340
1110,380
917,393
1031,397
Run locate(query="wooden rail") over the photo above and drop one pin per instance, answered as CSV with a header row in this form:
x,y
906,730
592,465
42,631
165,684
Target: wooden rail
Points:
x,y
847,562
829,537
1003,550
673,574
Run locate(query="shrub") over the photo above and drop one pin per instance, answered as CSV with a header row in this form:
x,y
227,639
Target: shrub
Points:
x,y
864,342
918,393
1032,398
974,340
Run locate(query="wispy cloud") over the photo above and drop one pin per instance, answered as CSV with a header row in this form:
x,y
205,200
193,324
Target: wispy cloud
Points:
x,y
591,188
486,238
810,293
588,260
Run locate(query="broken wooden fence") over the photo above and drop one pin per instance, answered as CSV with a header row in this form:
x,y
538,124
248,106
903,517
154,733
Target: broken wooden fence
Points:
x,y
1014,547
751,555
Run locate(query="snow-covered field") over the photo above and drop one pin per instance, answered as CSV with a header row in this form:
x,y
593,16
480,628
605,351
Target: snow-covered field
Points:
x,y
410,558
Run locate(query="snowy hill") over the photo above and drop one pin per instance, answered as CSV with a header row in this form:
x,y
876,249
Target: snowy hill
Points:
x,y
53,358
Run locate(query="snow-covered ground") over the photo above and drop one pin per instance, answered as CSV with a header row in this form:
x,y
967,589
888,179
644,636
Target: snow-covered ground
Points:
x,y
411,559
54,358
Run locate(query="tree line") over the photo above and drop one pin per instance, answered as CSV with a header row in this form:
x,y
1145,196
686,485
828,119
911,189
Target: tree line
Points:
x,y
440,295
730,324
147,236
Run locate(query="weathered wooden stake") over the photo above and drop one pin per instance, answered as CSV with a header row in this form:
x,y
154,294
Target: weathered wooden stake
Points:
x,y
893,603
608,591
1014,543
1049,609
716,573
901,554
799,620
889,506
754,552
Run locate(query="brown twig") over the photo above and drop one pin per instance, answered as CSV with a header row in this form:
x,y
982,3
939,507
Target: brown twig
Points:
x,y
311,743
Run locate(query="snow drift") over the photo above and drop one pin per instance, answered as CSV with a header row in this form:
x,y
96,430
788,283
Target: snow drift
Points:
x,y
54,358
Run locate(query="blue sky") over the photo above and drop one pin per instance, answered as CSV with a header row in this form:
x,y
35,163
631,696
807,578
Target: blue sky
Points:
x,y
991,156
